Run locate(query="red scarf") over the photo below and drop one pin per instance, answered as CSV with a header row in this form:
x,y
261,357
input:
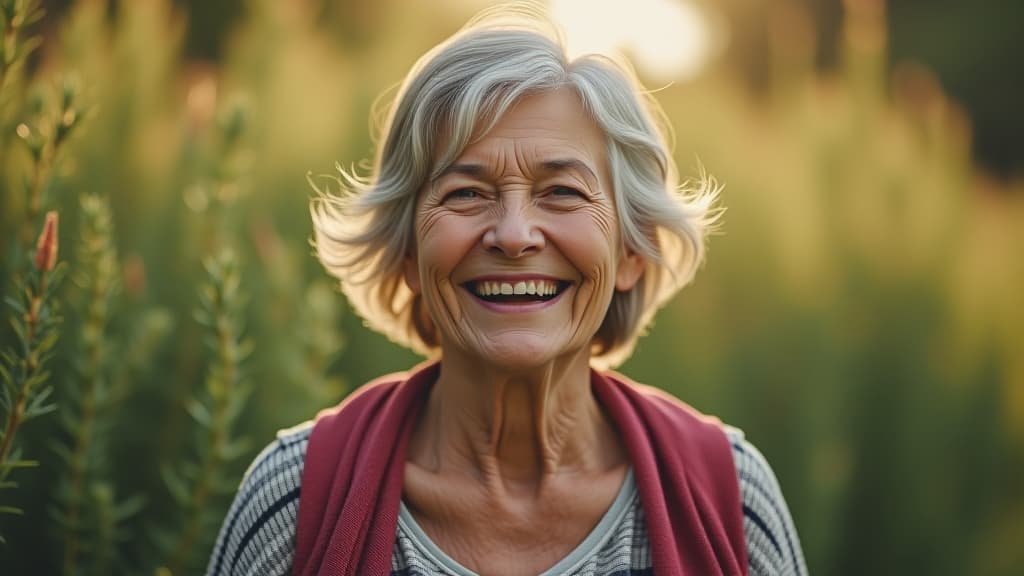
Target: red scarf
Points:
x,y
352,481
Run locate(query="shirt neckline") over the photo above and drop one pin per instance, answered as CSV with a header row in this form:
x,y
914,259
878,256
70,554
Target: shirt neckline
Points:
x,y
590,545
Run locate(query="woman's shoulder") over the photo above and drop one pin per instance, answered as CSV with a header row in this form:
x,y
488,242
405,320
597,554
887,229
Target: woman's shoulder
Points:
x,y
773,546
280,463
258,534
297,436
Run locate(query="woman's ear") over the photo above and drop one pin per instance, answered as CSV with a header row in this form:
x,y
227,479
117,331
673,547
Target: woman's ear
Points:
x,y
630,269
411,272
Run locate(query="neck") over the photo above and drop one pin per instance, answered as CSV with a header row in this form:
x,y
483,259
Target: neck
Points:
x,y
513,429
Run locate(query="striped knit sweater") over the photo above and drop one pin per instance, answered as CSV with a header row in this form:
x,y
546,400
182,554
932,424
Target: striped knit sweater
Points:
x,y
258,534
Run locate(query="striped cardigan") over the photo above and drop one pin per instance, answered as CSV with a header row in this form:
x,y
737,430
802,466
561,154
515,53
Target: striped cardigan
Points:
x,y
258,534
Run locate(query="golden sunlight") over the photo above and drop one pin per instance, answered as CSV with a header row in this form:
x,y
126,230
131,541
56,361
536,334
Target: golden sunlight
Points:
x,y
666,39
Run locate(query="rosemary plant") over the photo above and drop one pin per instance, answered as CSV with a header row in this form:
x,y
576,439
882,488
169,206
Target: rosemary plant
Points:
x,y
197,485
89,514
24,393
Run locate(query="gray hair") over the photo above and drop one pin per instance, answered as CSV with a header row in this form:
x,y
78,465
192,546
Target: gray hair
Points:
x,y
456,93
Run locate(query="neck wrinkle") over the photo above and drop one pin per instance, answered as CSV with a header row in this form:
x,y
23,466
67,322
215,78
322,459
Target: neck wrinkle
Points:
x,y
512,431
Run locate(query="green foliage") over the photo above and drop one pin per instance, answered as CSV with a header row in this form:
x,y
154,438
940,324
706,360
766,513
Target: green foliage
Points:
x,y
100,489
92,519
197,485
24,392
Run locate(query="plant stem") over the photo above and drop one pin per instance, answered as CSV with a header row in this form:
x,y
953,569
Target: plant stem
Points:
x,y
12,425
35,196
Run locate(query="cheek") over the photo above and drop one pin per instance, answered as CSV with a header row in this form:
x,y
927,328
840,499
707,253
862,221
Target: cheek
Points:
x,y
589,239
443,241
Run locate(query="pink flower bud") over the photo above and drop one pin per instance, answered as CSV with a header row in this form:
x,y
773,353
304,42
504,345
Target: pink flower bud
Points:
x,y
46,247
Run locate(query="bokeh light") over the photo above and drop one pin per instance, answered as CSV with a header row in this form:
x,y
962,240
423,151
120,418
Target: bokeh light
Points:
x,y
667,39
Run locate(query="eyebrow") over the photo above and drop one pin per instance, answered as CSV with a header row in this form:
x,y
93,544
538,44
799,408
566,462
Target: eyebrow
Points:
x,y
567,164
465,169
553,165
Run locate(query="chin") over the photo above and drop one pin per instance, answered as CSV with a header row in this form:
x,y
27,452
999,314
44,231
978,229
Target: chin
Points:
x,y
523,354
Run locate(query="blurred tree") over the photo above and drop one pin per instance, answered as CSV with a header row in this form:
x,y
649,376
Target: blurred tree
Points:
x,y
972,47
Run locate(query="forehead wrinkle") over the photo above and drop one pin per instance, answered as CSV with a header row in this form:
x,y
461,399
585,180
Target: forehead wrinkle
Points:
x,y
527,157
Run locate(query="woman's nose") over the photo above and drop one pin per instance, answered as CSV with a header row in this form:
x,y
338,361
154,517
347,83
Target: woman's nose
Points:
x,y
514,233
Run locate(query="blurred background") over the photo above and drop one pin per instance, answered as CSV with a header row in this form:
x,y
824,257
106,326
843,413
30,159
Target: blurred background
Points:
x,y
860,315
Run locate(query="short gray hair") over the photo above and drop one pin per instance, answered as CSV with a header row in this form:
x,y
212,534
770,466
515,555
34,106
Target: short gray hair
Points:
x,y
454,94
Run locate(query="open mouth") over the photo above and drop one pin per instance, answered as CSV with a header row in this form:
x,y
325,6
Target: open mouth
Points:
x,y
518,292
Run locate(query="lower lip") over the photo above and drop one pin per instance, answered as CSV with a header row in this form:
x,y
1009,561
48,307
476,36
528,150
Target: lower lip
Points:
x,y
518,308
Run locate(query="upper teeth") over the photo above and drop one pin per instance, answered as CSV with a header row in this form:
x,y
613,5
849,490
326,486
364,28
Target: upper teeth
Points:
x,y
537,287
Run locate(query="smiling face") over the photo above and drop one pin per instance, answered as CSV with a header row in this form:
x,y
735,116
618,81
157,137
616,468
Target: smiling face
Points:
x,y
518,249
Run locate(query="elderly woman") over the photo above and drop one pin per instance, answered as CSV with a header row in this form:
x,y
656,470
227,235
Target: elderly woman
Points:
x,y
522,225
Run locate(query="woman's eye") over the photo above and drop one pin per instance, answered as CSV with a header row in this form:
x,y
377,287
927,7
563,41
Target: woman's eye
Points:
x,y
565,191
462,194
